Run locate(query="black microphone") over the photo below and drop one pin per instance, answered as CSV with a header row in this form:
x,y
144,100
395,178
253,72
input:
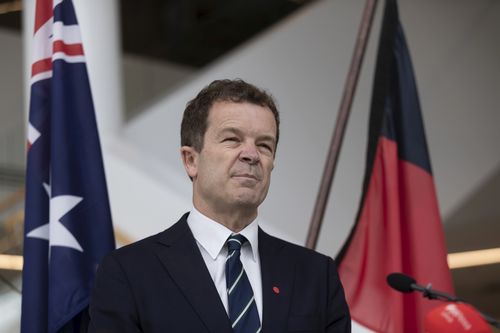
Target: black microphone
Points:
x,y
401,282
407,284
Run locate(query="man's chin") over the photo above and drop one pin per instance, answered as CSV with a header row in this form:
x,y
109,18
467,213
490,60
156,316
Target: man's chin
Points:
x,y
246,181
248,200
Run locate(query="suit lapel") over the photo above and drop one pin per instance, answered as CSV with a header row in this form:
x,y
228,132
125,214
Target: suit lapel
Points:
x,y
183,261
277,283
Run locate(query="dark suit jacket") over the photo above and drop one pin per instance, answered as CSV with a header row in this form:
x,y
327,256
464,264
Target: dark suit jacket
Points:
x,y
161,284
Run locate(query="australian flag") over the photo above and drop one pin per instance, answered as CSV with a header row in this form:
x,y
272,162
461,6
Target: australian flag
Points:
x,y
68,225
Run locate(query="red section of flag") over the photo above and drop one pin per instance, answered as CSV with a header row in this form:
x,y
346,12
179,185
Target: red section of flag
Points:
x,y
41,66
44,65
398,230
68,49
43,13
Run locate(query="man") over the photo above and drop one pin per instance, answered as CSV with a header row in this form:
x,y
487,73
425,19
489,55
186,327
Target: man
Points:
x,y
215,270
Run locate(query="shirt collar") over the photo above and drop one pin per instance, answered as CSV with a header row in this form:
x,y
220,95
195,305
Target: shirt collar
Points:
x,y
212,235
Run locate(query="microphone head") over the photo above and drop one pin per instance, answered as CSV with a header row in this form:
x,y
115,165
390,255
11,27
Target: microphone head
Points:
x,y
456,318
400,282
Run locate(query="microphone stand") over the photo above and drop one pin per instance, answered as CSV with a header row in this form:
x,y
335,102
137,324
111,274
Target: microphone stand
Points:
x,y
430,293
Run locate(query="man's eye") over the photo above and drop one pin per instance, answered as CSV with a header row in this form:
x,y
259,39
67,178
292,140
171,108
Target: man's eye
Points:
x,y
267,147
230,139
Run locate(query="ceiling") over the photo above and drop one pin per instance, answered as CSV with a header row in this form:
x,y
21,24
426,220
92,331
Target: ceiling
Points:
x,y
187,32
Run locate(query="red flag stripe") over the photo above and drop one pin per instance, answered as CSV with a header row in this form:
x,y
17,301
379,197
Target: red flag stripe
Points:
x,y
68,49
41,66
399,230
51,38
43,13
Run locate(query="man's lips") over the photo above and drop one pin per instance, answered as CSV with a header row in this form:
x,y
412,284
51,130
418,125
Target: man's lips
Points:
x,y
245,175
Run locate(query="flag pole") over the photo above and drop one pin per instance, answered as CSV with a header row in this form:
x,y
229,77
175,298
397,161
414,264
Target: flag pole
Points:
x,y
341,123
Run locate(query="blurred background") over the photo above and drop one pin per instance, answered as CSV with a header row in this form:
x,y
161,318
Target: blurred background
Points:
x,y
147,59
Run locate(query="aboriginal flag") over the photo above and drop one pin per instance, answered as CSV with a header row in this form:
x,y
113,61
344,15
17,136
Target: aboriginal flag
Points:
x,y
398,227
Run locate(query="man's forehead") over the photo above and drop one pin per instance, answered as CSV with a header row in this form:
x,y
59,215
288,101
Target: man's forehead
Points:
x,y
231,112
230,108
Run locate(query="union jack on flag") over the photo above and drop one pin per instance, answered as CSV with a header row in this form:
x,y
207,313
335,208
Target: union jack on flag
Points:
x,y
68,225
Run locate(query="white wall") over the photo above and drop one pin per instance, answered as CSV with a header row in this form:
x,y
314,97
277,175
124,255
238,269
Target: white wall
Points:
x,y
12,140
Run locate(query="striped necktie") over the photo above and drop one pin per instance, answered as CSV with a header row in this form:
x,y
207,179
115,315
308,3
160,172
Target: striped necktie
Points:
x,y
242,307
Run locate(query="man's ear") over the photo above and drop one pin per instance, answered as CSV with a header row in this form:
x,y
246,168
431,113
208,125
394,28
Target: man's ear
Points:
x,y
190,160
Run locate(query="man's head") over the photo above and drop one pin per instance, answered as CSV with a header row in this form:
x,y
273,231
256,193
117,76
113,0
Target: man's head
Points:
x,y
229,149
194,121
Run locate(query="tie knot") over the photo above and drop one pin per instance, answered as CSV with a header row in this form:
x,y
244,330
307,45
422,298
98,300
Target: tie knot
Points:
x,y
235,242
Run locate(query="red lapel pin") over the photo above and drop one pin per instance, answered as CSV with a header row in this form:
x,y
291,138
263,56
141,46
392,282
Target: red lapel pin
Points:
x,y
276,290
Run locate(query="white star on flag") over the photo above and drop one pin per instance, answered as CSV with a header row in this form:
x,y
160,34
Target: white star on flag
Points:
x,y
54,231
33,134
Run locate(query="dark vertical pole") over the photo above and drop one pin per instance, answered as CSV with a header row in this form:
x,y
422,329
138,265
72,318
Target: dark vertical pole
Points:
x,y
342,117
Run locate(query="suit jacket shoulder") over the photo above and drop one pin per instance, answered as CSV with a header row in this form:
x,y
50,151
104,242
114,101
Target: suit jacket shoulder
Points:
x,y
158,284
147,245
298,250
301,289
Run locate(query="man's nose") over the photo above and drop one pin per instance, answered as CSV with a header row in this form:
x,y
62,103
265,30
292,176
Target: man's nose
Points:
x,y
249,154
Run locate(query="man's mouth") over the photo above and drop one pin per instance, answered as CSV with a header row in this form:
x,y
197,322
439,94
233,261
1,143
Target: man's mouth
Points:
x,y
245,175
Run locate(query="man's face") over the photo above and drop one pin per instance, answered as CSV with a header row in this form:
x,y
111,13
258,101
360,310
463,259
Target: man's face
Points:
x,y
233,169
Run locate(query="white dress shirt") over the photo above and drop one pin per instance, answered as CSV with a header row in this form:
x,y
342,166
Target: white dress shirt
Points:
x,y
211,239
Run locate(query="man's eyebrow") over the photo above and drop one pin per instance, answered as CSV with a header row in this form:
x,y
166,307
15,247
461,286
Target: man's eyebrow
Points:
x,y
237,131
267,138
